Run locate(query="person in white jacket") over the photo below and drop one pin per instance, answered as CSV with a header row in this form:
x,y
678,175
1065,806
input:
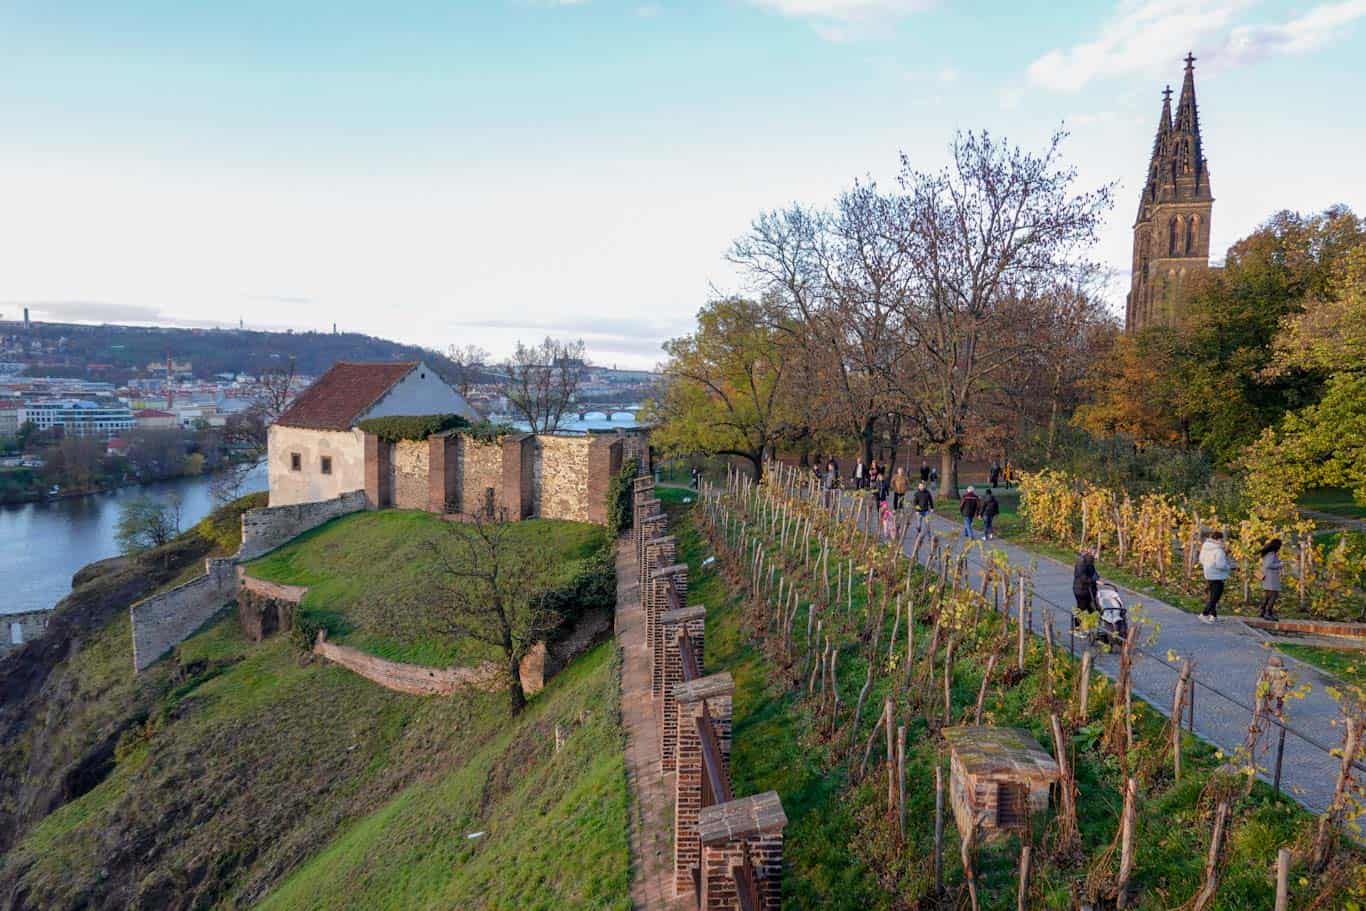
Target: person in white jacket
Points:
x,y
1217,566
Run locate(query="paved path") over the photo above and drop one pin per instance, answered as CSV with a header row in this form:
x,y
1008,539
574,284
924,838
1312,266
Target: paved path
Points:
x,y
1227,656
651,791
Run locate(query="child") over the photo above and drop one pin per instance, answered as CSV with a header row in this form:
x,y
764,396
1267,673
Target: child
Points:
x,y
888,522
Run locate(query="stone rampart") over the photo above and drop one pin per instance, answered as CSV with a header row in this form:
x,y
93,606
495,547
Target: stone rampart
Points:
x,y
416,680
163,621
563,477
265,608
409,465
19,628
265,529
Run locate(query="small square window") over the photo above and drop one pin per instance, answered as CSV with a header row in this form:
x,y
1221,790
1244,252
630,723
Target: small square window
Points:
x,y
296,462
326,464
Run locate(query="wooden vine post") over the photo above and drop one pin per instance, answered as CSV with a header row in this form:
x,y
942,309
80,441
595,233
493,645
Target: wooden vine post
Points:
x,y
1178,704
1126,843
1211,884
1067,806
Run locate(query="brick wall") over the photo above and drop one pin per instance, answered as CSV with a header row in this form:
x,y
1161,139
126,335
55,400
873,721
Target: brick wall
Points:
x,y
662,581
163,621
604,462
409,678
728,832
267,528
265,608
690,621
714,693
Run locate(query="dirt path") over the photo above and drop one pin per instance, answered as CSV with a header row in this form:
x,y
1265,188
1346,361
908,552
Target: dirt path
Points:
x,y
651,790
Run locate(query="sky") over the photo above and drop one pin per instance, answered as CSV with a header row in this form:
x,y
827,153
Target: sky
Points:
x,y
477,173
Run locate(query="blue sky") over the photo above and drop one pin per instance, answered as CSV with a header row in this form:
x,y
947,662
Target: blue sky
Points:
x,y
458,172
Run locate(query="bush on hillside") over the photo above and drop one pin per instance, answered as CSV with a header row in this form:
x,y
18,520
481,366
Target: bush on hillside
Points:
x,y
223,526
593,586
398,427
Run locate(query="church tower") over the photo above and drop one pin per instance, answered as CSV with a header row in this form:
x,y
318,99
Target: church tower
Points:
x,y
1171,234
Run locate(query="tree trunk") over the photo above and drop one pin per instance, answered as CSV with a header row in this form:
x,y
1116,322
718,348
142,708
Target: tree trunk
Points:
x,y
948,474
516,696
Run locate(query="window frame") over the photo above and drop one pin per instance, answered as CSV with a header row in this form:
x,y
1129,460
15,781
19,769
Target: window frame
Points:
x,y
296,461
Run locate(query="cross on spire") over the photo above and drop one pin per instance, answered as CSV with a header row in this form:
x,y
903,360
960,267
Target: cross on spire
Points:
x,y
1190,60
1167,94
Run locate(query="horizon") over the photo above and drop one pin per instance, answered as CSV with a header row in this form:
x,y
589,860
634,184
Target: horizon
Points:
x,y
490,173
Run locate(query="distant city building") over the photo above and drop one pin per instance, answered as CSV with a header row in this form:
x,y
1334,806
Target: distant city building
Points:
x,y
81,417
1171,234
151,419
11,419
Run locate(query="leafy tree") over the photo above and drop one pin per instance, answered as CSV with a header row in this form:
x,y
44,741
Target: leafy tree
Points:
x,y
724,385
146,522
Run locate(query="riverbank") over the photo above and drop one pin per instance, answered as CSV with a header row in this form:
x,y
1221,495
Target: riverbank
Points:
x,y
43,544
10,496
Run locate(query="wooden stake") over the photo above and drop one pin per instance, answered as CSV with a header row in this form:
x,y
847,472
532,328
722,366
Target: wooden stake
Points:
x,y
868,747
1084,686
948,683
1126,842
1178,698
891,760
938,829
1283,879
982,692
1067,828
1211,885
1022,894
901,780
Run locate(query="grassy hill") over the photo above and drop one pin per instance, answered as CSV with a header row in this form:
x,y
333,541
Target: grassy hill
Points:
x,y
390,607
242,772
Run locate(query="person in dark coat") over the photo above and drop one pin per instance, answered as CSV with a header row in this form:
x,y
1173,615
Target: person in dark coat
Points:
x,y
968,508
923,501
991,508
924,471
995,474
1084,579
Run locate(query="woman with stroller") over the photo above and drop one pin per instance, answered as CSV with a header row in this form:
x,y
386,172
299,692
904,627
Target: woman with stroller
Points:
x,y
1084,581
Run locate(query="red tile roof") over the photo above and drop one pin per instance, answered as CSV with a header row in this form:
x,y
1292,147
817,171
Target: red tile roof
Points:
x,y
152,413
342,394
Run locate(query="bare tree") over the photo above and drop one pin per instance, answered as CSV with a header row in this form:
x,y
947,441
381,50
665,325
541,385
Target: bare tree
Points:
x,y
542,382
247,433
493,582
985,237
469,361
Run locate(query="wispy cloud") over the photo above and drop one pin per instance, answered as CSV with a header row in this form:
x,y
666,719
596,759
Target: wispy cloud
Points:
x,y
841,20
1145,35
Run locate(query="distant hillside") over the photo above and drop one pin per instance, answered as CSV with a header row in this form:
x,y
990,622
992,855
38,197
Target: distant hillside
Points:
x,y
121,350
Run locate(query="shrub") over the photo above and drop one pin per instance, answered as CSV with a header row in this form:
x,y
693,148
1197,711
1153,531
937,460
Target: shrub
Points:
x,y
223,526
412,426
593,586
304,632
619,499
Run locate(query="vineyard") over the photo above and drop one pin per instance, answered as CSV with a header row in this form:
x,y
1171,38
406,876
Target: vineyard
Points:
x,y
1158,536
865,657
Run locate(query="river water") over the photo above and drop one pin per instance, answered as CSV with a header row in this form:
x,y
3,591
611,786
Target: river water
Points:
x,y
43,544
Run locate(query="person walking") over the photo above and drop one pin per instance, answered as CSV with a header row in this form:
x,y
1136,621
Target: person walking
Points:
x,y
924,472
888,522
990,509
1217,566
1271,578
968,509
884,483
1084,580
923,501
1010,474
995,475
900,484
860,474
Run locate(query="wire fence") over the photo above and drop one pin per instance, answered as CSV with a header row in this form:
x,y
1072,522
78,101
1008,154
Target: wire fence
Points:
x,y
1273,774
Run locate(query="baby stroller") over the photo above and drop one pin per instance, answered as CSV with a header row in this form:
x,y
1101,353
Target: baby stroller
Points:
x,y
1113,627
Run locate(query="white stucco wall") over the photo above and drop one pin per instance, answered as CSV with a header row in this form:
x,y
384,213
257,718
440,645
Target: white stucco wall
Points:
x,y
421,392
309,484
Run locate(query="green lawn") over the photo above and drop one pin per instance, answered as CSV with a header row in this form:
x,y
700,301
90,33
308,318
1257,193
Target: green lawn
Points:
x,y
838,850
375,577
1336,500
1349,666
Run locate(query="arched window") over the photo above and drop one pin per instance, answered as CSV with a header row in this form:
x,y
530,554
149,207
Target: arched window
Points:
x,y
1192,229
1171,237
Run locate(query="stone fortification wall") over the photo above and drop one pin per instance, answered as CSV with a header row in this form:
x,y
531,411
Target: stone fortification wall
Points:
x,y
16,629
480,468
267,528
431,681
409,467
163,621
562,488
265,608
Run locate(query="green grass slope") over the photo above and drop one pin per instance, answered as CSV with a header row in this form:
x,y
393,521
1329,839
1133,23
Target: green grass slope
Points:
x,y
241,763
374,578
553,823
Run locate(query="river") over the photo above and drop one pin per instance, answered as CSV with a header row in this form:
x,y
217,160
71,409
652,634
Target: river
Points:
x,y
43,544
